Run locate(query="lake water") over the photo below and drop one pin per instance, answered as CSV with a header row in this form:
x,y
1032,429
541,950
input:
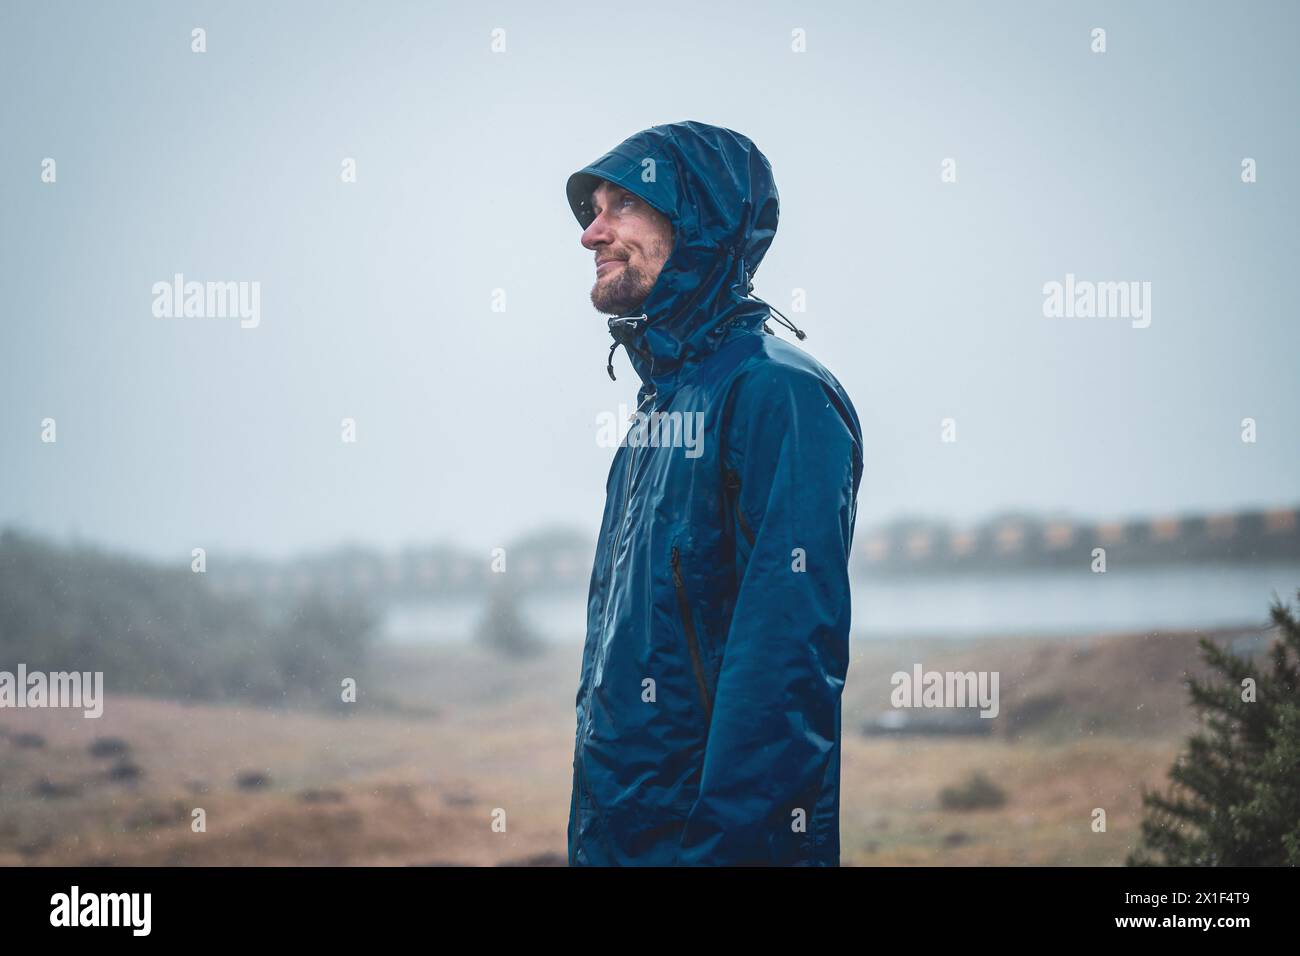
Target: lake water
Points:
x,y
1044,602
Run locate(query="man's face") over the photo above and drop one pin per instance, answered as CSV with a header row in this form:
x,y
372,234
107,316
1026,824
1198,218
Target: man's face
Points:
x,y
631,241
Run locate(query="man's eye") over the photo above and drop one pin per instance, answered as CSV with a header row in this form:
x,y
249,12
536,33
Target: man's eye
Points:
x,y
628,199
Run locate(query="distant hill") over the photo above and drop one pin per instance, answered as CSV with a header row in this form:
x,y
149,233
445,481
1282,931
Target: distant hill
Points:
x,y
164,631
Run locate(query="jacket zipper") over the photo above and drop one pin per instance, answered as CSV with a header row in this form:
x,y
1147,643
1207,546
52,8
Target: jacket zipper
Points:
x,y
733,482
618,532
684,606
609,584
618,537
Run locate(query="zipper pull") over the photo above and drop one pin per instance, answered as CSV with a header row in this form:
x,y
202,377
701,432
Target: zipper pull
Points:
x,y
677,571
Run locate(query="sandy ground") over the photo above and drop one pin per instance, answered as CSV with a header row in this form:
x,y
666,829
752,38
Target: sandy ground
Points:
x,y
464,738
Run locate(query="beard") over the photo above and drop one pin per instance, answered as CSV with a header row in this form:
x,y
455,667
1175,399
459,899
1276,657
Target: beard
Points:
x,y
622,293
626,291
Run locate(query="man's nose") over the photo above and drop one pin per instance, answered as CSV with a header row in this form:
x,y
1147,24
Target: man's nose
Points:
x,y
598,233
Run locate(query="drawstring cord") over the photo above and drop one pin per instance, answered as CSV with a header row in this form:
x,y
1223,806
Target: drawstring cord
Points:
x,y
800,334
622,327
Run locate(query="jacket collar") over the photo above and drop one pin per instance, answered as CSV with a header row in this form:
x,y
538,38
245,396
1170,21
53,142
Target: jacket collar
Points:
x,y
684,319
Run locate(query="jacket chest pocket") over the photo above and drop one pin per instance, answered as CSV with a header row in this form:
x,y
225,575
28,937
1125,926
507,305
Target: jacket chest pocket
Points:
x,y
736,513
692,635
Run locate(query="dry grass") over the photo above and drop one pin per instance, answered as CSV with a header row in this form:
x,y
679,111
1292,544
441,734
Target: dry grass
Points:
x,y
460,735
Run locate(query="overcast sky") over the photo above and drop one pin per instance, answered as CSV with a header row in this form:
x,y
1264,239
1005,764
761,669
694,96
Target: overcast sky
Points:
x,y
924,297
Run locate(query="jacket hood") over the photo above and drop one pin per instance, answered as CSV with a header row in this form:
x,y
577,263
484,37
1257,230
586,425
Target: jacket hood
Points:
x,y
717,189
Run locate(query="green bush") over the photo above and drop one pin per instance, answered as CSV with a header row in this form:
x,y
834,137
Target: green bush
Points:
x,y
1235,799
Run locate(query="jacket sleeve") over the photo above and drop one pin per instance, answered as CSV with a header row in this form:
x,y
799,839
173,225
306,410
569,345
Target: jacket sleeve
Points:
x,y
772,747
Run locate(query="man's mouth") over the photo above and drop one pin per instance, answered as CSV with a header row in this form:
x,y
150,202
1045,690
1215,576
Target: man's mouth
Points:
x,y
601,264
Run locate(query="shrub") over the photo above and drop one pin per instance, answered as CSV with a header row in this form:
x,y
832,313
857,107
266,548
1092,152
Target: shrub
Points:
x,y
1235,799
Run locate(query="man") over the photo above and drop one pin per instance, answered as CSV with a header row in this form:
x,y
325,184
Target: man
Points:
x,y
718,616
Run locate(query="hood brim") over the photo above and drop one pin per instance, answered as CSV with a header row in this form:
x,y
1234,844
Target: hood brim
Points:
x,y
583,183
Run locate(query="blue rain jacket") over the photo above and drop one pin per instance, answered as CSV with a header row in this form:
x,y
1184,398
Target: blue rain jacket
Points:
x,y
708,706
